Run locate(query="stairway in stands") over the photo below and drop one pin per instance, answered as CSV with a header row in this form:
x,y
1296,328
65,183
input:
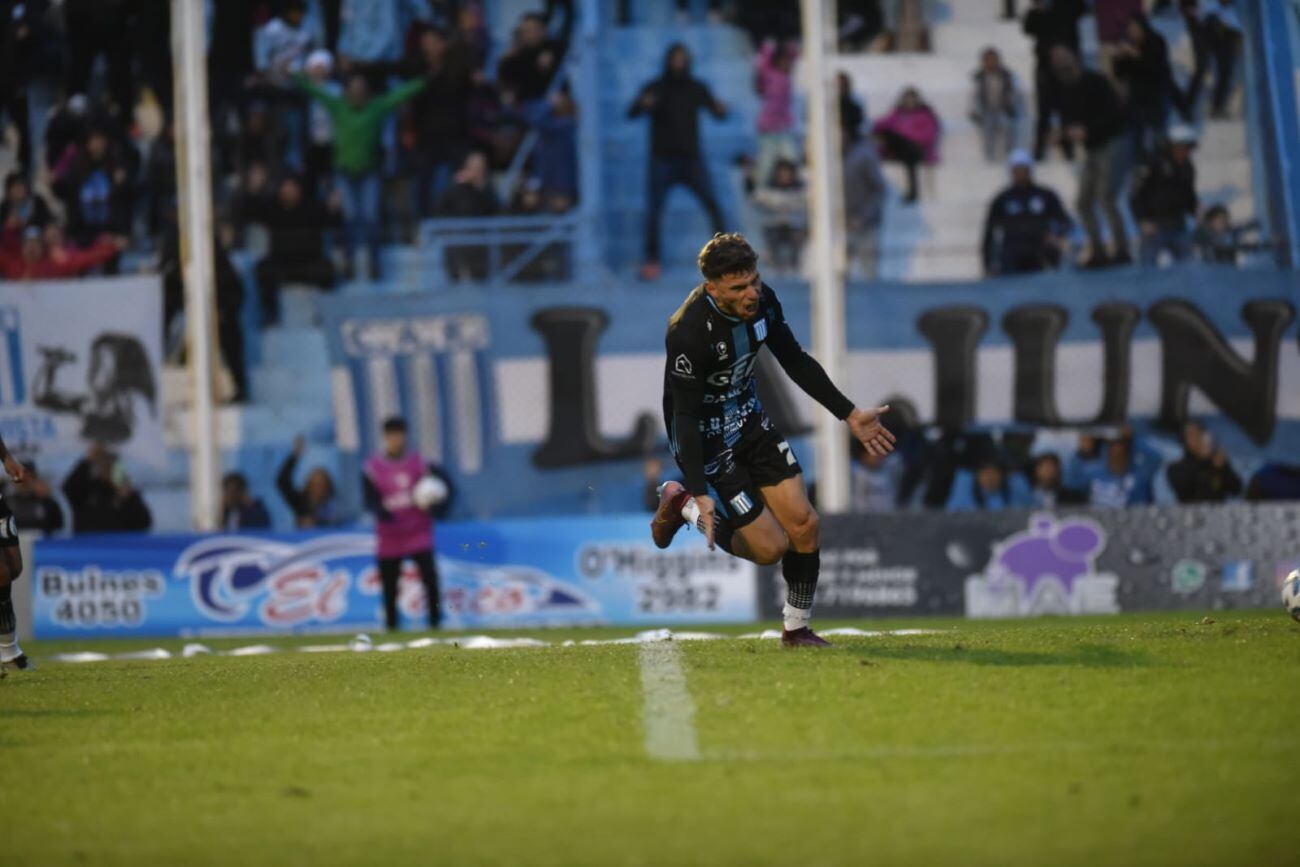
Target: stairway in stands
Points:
x,y
631,56
290,388
938,238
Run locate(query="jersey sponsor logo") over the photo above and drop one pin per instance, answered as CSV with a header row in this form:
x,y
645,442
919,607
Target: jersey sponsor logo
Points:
x,y
760,330
739,371
741,503
730,394
682,365
723,464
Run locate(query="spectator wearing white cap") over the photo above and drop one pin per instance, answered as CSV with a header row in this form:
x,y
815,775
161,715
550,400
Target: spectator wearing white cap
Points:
x,y
1026,227
1164,198
280,49
319,160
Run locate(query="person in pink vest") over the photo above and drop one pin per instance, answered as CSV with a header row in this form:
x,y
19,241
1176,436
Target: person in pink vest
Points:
x,y
403,531
909,135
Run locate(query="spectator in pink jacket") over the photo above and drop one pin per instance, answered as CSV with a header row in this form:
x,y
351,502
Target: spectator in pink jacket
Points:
x,y
772,80
909,135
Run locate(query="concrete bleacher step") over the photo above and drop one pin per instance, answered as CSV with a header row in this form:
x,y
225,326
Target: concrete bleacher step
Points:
x,y
706,42
170,506
297,346
282,386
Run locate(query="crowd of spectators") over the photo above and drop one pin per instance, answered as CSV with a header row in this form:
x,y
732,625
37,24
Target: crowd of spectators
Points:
x,y
975,471
365,112
1116,120
336,126
101,498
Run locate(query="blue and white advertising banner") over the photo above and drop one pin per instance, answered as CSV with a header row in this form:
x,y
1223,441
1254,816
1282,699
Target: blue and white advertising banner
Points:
x,y
80,360
538,399
504,574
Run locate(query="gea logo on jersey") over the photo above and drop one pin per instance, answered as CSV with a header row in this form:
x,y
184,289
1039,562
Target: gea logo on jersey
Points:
x,y
738,372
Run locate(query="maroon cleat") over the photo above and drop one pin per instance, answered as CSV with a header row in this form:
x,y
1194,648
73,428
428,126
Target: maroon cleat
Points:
x,y
802,637
668,517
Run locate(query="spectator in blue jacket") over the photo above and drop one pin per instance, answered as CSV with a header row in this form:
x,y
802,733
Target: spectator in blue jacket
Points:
x,y
1119,481
988,488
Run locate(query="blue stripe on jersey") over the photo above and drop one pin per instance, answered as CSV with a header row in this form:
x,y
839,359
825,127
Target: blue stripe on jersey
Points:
x,y
714,305
740,341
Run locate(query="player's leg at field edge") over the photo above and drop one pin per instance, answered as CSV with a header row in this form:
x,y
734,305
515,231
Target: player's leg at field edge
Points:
x,y
390,572
801,563
10,568
429,577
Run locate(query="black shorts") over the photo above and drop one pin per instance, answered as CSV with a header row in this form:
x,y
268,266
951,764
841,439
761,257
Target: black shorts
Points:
x,y
760,459
8,527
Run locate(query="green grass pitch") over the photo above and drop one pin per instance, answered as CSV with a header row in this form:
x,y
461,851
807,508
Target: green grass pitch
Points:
x,y
1155,739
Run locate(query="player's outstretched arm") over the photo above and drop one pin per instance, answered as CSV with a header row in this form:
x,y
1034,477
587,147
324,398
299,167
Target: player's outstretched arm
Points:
x,y
867,429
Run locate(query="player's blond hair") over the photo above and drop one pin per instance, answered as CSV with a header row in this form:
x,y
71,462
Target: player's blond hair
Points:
x,y
725,253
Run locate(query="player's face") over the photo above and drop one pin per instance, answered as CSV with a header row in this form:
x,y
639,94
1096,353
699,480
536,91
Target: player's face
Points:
x,y
395,442
737,294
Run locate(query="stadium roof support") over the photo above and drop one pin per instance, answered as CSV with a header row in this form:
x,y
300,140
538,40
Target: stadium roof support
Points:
x,y
194,182
826,216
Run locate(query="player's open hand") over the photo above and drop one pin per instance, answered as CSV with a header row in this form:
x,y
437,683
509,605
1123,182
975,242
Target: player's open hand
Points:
x,y
865,425
15,469
705,504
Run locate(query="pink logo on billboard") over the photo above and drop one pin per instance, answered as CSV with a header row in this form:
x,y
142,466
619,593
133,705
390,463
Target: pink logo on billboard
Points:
x,y
1050,568
286,583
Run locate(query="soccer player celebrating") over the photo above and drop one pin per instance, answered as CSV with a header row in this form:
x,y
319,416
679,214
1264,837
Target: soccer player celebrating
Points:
x,y
720,436
11,566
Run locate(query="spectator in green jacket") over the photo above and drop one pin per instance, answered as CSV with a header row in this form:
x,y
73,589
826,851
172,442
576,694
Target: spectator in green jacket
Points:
x,y
358,124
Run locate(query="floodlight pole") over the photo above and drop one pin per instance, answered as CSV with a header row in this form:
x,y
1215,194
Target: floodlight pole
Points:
x,y
826,208
194,184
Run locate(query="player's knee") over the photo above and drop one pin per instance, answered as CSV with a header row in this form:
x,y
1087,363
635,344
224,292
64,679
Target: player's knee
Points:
x,y
769,555
805,531
769,548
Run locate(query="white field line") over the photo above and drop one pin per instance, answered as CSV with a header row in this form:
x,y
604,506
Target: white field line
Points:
x,y
668,715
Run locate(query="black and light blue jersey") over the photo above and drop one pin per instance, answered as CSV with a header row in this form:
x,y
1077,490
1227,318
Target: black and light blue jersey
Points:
x,y
709,381
710,362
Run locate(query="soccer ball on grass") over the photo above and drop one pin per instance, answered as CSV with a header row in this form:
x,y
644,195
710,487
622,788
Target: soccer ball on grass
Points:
x,y
1291,595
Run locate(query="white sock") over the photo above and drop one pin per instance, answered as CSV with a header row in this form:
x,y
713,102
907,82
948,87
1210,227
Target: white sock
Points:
x,y
795,618
9,646
691,512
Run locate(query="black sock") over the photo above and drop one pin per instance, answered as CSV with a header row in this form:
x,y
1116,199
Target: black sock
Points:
x,y
800,570
8,622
